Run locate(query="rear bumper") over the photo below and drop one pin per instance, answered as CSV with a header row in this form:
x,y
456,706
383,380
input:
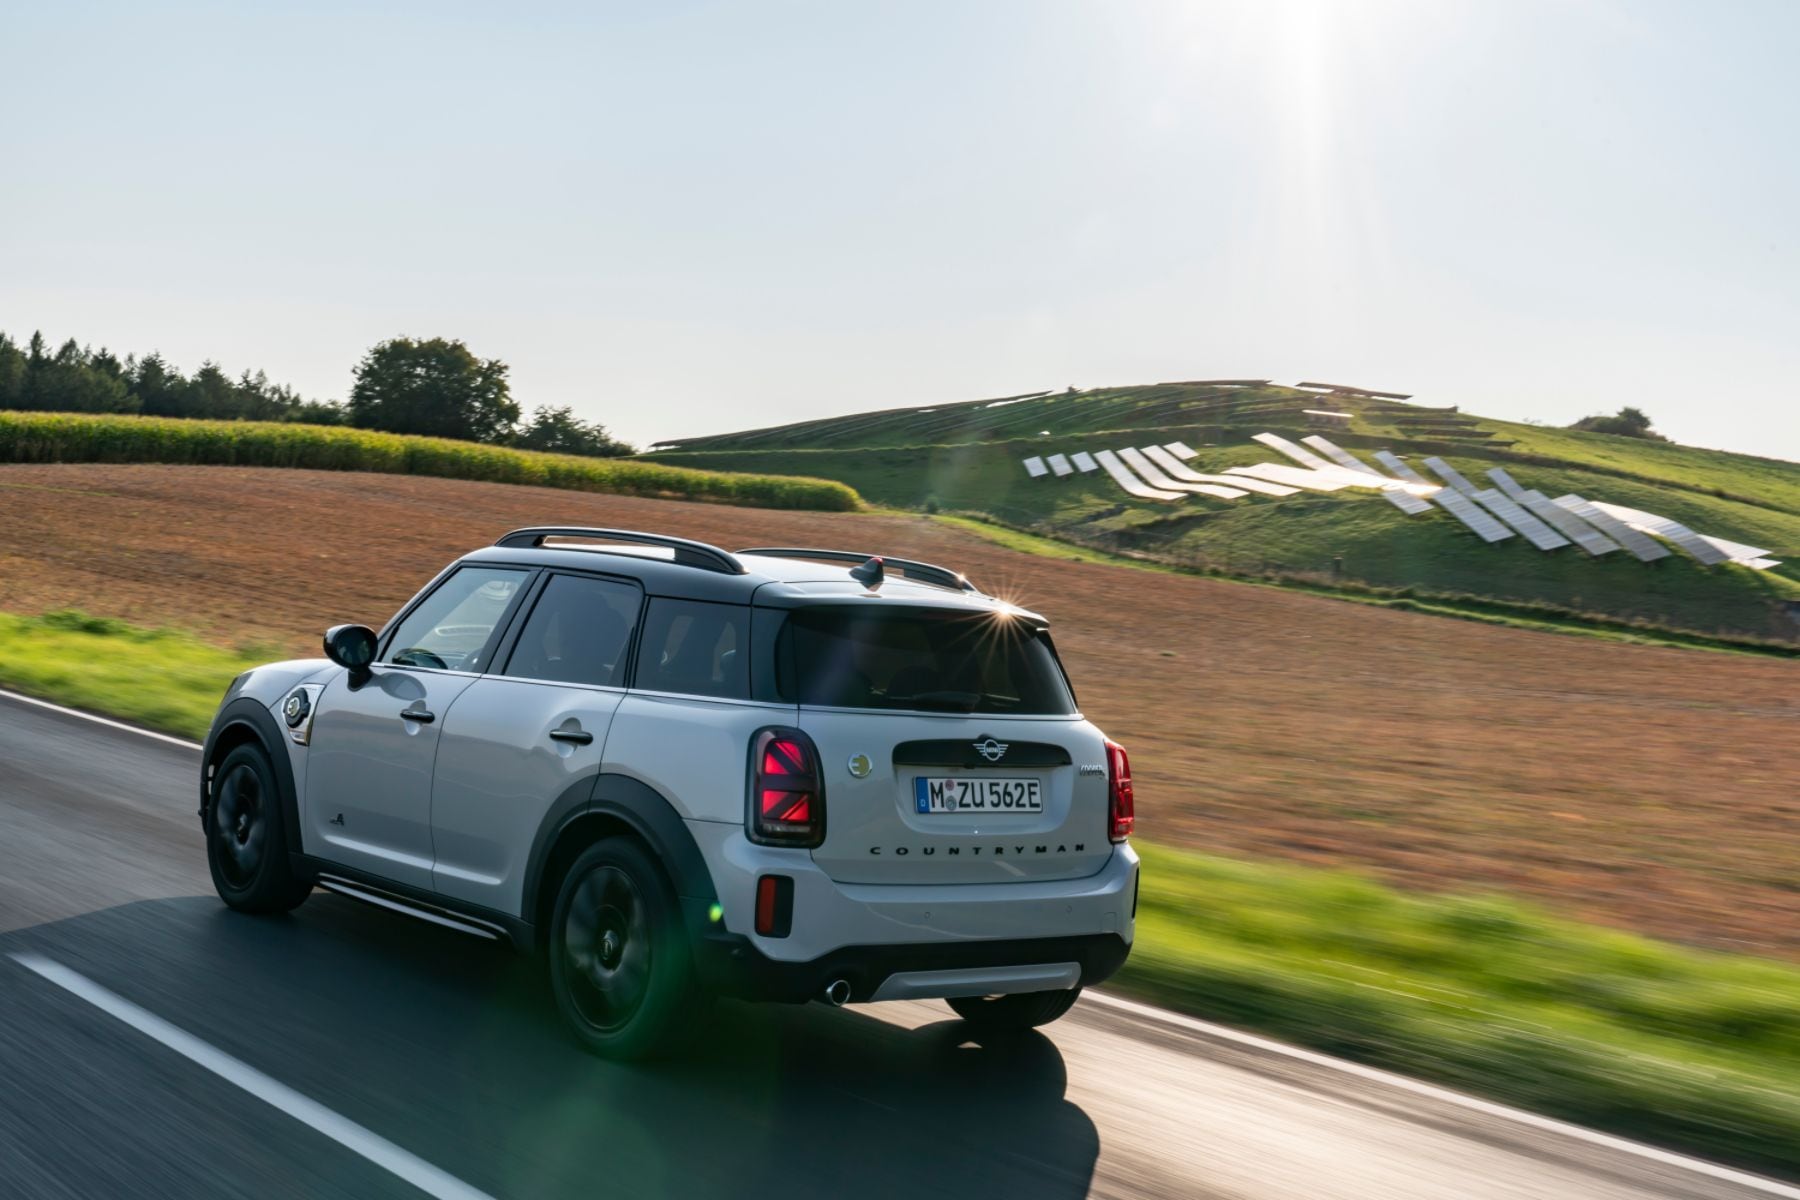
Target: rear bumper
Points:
x,y
730,964
946,940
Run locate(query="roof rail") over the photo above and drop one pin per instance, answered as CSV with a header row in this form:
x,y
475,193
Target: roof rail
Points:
x,y
687,553
920,571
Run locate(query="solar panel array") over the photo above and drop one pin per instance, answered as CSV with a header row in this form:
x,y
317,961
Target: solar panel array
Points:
x,y
1494,514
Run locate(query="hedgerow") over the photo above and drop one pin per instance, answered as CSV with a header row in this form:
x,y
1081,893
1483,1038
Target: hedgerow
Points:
x,y
31,437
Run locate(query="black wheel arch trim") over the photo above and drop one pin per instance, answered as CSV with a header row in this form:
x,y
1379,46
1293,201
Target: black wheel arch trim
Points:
x,y
648,814
246,713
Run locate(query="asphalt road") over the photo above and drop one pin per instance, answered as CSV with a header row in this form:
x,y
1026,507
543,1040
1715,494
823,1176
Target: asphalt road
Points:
x,y
446,1047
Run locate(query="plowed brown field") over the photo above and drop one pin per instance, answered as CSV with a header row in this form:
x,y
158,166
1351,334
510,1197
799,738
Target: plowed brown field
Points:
x,y
1649,788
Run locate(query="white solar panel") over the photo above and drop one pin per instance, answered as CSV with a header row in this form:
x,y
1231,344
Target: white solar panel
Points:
x,y
1663,527
1644,549
1507,484
1737,552
1341,456
1471,514
1060,464
1034,466
1508,510
1451,476
1393,491
1299,454
1131,483
1296,477
1180,470
1181,450
1565,522
1404,500
1084,462
1400,467
1154,475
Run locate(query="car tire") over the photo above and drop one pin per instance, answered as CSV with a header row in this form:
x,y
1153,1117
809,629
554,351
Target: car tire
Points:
x,y
620,968
1025,1010
246,841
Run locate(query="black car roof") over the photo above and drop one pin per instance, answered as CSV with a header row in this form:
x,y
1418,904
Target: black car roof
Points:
x,y
777,580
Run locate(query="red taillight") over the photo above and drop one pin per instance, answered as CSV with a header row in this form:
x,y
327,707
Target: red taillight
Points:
x,y
1123,803
787,797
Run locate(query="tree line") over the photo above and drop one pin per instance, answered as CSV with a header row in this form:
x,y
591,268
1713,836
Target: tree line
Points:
x,y
434,387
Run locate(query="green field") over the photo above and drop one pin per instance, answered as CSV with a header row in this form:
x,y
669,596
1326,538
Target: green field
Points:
x,y
1341,539
1695,1050
30,437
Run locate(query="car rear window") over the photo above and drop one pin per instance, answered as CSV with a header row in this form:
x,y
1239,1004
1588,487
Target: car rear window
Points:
x,y
691,647
925,660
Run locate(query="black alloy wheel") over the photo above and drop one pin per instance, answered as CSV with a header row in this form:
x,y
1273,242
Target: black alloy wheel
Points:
x,y
240,826
607,949
620,968
246,843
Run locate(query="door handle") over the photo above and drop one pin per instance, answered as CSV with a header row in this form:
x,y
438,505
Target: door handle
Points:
x,y
579,737
417,714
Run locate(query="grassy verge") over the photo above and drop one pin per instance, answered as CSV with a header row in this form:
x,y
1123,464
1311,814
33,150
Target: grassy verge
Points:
x,y
1614,1031
68,437
1700,1051
158,678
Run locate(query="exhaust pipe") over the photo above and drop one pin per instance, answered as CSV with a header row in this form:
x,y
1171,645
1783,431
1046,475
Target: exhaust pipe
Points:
x,y
837,993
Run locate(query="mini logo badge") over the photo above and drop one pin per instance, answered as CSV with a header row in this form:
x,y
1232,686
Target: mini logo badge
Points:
x,y
860,766
989,749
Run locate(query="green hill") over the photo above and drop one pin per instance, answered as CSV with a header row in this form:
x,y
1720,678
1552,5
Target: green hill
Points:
x,y
966,458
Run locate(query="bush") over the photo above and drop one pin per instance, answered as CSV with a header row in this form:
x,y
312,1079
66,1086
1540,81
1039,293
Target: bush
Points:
x,y
70,437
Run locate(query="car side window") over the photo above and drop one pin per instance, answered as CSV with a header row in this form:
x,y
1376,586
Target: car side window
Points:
x,y
578,632
695,648
451,628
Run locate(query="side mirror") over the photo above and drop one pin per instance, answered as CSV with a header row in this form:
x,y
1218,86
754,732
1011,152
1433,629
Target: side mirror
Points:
x,y
353,648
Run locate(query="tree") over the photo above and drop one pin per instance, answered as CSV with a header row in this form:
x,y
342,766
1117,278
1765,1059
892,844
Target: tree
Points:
x,y
559,431
12,373
67,382
77,379
436,388
1627,422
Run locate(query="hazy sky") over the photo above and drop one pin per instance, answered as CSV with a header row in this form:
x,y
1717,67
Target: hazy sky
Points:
x,y
683,217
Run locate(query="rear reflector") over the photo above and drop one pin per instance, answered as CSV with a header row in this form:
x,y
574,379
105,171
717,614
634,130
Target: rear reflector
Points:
x,y
1122,801
787,796
774,906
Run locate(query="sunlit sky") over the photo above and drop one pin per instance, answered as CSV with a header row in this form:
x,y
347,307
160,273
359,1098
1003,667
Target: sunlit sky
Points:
x,y
681,218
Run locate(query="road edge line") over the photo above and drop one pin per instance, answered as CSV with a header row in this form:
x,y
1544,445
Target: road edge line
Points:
x,y
1432,1091
431,1180
66,711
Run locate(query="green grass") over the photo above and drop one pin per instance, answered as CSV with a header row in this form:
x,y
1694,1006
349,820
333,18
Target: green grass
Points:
x,y
1768,481
159,678
1614,1031
69,438
1695,1050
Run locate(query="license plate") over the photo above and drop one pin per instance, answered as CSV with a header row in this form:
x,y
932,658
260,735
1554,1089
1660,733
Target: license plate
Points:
x,y
983,795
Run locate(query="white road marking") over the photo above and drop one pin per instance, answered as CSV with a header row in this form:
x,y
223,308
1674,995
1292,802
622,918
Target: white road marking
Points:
x,y
342,1130
1431,1091
1147,1011
110,724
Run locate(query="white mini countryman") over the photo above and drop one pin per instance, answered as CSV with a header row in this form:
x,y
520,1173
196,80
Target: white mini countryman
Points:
x,y
780,774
